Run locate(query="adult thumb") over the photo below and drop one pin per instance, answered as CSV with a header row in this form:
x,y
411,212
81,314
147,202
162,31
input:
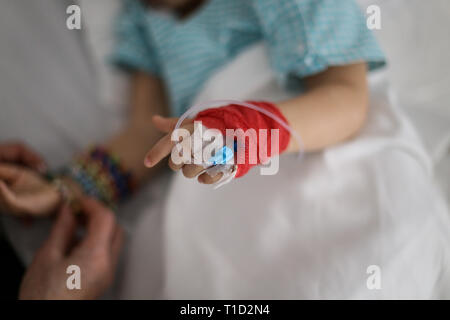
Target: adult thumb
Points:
x,y
62,234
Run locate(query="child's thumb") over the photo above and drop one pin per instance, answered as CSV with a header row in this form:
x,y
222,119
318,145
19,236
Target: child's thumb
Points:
x,y
167,125
163,124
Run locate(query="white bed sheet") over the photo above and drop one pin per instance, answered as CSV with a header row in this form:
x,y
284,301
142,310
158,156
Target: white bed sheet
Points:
x,y
214,253
421,87
322,222
414,35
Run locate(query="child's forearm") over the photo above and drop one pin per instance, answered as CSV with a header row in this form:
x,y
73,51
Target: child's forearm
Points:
x,y
333,109
131,144
104,171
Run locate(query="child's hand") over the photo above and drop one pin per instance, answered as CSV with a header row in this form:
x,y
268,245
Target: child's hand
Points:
x,y
25,192
164,147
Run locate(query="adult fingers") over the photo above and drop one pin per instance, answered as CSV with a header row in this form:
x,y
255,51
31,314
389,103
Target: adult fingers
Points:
x,y
9,173
62,234
19,153
101,224
31,159
117,244
8,200
35,204
38,203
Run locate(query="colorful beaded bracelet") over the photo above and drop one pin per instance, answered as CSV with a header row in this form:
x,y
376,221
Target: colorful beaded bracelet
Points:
x,y
101,175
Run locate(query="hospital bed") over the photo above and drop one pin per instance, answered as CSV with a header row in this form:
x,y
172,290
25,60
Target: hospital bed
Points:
x,y
414,35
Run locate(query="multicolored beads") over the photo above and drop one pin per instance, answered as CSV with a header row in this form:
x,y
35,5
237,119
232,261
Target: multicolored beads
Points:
x,y
101,175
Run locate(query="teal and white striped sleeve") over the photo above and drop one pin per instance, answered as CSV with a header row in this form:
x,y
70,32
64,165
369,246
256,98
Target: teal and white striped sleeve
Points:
x,y
134,49
305,37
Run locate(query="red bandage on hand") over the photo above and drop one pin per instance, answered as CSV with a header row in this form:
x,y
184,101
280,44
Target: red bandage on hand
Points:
x,y
240,117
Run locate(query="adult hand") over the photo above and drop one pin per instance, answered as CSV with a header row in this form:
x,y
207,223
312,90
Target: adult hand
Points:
x,y
18,153
25,192
96,255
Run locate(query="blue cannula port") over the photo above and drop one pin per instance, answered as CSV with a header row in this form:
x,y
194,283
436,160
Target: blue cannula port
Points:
x,y
222,157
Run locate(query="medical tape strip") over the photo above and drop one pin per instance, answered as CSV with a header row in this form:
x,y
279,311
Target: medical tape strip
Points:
x,y
229,171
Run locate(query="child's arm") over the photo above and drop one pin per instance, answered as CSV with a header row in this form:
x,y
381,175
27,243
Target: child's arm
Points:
x,y
333,108
147,98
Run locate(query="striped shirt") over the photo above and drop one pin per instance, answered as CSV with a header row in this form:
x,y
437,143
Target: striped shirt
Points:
x,y
303,37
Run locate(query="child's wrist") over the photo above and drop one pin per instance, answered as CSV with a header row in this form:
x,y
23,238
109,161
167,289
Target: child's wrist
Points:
x,y
70,192
100,174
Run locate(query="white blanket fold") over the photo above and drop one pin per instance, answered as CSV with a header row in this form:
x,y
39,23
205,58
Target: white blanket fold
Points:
x,y
312,230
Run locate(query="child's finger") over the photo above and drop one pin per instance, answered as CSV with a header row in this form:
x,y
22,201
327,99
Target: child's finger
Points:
x,y
192,170
207,179
166,125
164,147
173,166
159,151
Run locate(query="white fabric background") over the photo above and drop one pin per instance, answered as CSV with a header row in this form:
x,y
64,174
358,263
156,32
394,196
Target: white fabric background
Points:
x,y
311,230
414,35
